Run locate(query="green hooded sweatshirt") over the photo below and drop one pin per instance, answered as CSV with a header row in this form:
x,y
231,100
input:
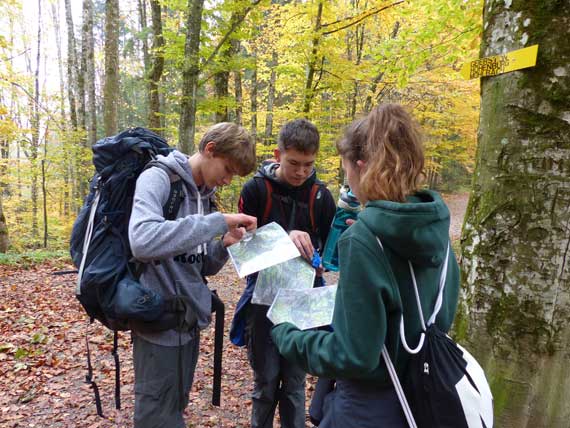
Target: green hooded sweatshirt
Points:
x,y
375,288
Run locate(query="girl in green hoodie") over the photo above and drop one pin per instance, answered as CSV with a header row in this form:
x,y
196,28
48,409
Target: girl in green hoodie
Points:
x,y
383,159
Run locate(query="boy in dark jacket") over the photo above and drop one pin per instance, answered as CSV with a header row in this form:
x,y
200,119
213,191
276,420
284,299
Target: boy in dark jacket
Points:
x,y
286,191
177,255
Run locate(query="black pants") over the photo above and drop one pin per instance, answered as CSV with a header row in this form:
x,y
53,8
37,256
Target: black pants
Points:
x,y
276,381
352,405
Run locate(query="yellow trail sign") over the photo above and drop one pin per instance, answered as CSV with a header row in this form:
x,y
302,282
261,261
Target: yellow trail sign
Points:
x,y
499,64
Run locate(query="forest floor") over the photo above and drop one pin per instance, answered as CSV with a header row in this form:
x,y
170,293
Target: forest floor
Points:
x,y
43,359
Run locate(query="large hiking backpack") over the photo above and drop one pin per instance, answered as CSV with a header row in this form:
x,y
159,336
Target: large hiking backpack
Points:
x,y
444,385
107,283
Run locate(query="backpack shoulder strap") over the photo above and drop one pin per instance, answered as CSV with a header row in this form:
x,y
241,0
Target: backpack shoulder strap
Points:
x,y
176,195
312,205
265,190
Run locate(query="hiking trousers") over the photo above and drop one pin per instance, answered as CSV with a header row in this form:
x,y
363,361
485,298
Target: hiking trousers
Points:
x,y
163,378
276,381
353,405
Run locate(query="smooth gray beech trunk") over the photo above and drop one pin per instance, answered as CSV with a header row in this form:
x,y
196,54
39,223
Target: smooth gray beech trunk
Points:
x,y
516,238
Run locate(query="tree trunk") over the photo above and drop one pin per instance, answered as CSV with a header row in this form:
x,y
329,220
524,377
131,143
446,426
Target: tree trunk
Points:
x,y
44,205
253,96
359,45
187,128
271,100
57,30
238,86
379,76
81,71
221,93
111,87
222,77
157,66
4,239
35,128
71,65
88,54
515,237
144,37
309,89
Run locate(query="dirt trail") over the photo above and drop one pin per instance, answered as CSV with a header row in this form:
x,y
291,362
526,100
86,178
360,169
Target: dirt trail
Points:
x,y
457,204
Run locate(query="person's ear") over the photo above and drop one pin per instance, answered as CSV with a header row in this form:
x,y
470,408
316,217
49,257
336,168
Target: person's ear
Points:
x,y
277,155
361,165
210,148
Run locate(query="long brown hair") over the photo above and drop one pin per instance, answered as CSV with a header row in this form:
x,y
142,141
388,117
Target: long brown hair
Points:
x,y
390,143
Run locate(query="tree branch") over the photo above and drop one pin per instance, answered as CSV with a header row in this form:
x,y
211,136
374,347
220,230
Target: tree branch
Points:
x,y
233,27
353,20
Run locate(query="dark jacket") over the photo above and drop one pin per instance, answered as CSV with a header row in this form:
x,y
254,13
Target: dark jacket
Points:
x,y
375,288
289,208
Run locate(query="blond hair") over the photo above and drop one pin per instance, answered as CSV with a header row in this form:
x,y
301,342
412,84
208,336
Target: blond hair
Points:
x,y
390,143
234,143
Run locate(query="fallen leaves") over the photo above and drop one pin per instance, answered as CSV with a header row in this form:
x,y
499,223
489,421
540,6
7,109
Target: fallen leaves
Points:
x,y
43,359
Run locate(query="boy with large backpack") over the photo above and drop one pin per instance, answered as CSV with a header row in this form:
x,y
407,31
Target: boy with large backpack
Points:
x,y
177,255
286,191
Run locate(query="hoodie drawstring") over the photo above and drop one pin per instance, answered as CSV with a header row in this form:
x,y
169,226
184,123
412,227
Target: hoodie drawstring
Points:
x,y
202,248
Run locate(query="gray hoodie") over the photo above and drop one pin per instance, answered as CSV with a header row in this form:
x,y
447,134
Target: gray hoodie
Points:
x,y
176,254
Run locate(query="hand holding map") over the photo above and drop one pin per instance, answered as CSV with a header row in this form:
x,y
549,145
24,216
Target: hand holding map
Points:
x,y
304,308
267,246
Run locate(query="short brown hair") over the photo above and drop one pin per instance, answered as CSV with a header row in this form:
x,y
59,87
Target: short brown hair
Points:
x,y
389,141
300,135
234,143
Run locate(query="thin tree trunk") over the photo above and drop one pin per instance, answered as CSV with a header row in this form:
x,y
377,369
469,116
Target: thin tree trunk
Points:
x,y
35,128
81,72
253,95
309,90
4,237
111,87
379,76
187,128
515,243
238,86
268,140
44,195
88,46
143,24
221,85
71,66
4,149
157,67
57,29
222,77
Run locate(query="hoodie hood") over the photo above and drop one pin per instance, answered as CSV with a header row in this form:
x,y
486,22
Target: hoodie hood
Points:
x,y
416,230
268,170
178,163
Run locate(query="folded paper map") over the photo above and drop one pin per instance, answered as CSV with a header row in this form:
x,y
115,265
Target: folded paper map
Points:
x,y
295,273
303,308
267,246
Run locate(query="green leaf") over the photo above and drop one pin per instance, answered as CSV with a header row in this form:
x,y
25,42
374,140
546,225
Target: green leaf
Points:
x,y
21,353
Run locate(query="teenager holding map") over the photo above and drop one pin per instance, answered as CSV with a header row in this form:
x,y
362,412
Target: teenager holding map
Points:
x,y
288,192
